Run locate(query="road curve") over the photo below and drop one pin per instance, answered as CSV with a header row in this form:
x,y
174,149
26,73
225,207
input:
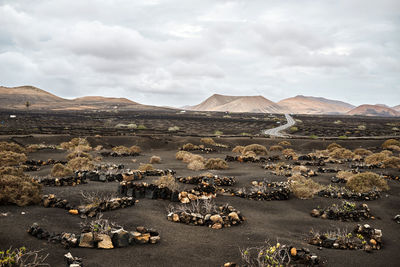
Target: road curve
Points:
x,y
277,131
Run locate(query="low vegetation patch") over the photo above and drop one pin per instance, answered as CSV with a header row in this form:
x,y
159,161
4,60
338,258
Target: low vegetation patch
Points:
x,y
341,153
76,154
20,190
238,149
362,152
304,188
391,162
196,165
376,158
367,181
208,141
155,159
80,164
10,158
75,142
22,257
259,150
5,146
390,142
289,154
59,170
167,181
284,143
216,164
123,150
145,167
276,148
333,146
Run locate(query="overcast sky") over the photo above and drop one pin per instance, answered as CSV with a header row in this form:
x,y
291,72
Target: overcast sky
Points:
x,y
169,52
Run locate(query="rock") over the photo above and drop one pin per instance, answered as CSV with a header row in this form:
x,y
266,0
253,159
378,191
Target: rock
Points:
x,y
142,239
185,200
233,216
73,212
315,213
86,240
120,238
324,216
132,236
154,239
328,243
293,252
216,218
373,242
368,248
216,226
105,242
230,264
183,194
397,218
175,217
141,229
192,197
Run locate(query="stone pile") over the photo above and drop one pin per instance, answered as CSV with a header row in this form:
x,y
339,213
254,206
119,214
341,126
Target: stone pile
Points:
x,y
216,180
264,191
337,180
64,181
391,177
229,158
73,261
327,170
288,170
363,237
145,190
202,148
310,163
115,238
343,193
397,218
362,165
115,154
346,211
223,216
39,162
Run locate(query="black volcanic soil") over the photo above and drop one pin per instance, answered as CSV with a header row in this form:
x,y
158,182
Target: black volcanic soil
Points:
x,y
185,245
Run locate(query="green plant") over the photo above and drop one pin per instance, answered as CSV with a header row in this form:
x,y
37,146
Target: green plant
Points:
x,y
21,257
343,137
293,129
313,136
217,132
173,129
141,127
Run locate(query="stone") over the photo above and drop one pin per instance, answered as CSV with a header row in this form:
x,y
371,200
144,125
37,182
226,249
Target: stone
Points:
x,y
216,226
73,212
105,242
142,239
154,239
233,216
183,194
230,264
192,197
132,236
86,240
315,213
141,229
328,243
216,218
397,218
185,200
373,242
293,252
175,217
120,238
324,216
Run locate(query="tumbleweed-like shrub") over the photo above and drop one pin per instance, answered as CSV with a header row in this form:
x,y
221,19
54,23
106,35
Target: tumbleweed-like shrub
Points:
x,y
341,153
187,158
167,181
60,170
80,164
145,167
391,162
5,146
71,145
238,149
284,143
189,146
376,158
362,152
180,154
11,171
20,190
333,146
9,158
196,165
344,175
76,154
216,164
276,148
302,187
394,148
208,141
288,152
155,159
19,257
126,150
390,142
365,182
256,148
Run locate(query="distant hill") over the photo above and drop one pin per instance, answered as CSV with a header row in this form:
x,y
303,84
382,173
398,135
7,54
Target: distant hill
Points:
x,y
256,104
16,97
397,108
314,105
374,110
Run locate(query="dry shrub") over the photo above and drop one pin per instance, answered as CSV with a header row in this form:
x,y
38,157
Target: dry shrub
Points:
x,y
284,143
76,154
74,143
5,146
288,152
20,190
276,148
344,175
192,157
181,154
167,181
145,167
250,154
196,165
11,171
394,148
387,152
208,141
216,164
362,152
256,148
60,170
341,153
300,169
303,188
126,150
9,158
390,142
238,149
80,164
155,159
365,182
391,162
376,158
189,146
333,146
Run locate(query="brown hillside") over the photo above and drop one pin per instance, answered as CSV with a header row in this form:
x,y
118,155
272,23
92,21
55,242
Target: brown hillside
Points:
x,y
314,105
374,110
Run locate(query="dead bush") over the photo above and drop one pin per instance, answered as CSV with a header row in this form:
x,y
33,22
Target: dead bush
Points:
x,y
60,170
302,187
394,148
238,149
362,152
167,181
390,142
11,171
256,148
208,141
20,190
300,169
5,146
181,154
344,175
155,159
192,157
341,153
9,158
276,148
126,150
376,158
249,154
71,145
196,165
387,152
284,143
289,153
80,164
333,146
76,154
365,182
145,167
391,162
216,164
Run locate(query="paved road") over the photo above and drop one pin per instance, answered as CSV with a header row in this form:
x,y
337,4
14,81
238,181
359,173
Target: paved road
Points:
x,y
276,131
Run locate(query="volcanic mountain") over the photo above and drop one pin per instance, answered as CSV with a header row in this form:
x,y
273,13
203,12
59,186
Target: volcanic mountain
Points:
x,y
17,97
374,110
256,104
397,108
314,105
